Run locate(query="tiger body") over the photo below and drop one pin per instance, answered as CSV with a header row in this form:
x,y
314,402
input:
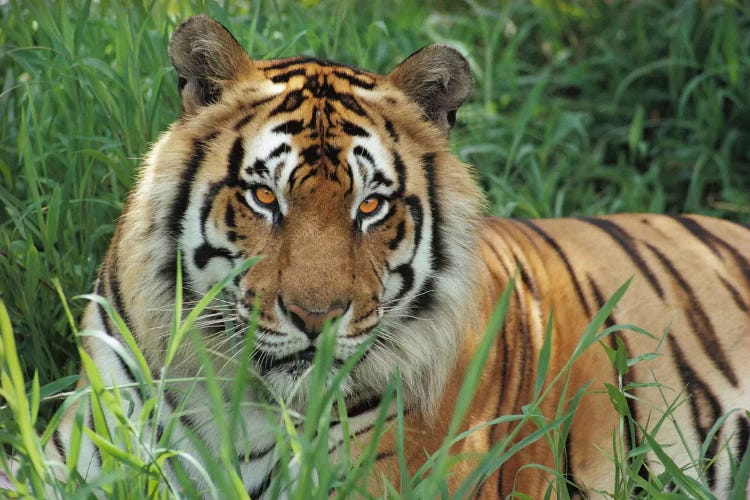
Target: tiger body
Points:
x,y
343,180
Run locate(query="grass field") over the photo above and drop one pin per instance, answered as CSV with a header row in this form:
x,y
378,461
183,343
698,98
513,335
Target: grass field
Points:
x,y
579,108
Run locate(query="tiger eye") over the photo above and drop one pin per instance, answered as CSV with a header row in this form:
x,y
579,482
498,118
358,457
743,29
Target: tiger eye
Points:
x,y
265,195
369,205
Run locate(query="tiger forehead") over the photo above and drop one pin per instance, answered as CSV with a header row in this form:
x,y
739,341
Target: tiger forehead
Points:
x,y
320,76
320,112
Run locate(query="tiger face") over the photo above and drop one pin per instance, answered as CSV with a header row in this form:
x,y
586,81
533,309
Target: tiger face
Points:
x,y
336,177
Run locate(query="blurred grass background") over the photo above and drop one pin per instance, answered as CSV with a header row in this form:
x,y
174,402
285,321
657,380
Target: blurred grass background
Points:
x,y
580,108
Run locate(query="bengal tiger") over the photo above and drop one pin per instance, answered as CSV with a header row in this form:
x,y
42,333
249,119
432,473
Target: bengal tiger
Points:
x,y
344,181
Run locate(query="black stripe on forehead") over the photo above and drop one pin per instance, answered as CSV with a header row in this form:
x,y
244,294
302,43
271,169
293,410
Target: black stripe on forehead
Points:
x,y
292,127
351,103
355,81
295,180
291,102
350,128
284,77
363,77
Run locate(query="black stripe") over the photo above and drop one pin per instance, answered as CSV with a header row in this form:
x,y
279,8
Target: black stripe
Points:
x,y
574,489
439,257
107,329
357,82
378,179
234,162
100,291
363,430
734,293
182,199
289,127
207,205
600,301
425,298
743,438
350,103
206,252
382,455
363,406
627,379
503,382
258,491
407,276
699,321
244,121
400,168
255,455
332,153
699,232
360,151
355,130
279,150
229,217
259,167
700,394
399,237
561,254
186,420
627,243
285,63
292,101
285,77
522,336
529,283
300,60
414,205
311,154
309,175
391,131
57,442
738,258
119,303
524,345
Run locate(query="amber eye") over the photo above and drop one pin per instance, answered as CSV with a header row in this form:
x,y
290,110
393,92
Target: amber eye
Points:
x,y
369,205
265,195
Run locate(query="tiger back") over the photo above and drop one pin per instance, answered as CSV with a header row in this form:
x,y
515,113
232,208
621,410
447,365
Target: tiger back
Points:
x,y
344,182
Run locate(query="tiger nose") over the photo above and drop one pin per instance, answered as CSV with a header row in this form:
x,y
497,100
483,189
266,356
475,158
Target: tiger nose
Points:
x,y
311,322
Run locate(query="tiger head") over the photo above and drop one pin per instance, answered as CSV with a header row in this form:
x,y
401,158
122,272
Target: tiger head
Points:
x,y
342,180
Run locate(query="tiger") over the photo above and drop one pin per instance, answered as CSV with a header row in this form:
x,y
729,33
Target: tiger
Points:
x,y
344,182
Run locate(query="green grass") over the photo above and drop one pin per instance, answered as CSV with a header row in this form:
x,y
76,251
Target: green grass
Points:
x,y
579,108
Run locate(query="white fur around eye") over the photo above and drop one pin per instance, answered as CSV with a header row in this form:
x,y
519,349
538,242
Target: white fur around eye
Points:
x,y
367,220
264,210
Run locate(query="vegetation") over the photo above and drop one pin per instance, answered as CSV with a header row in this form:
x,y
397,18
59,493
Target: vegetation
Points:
x,y
579,108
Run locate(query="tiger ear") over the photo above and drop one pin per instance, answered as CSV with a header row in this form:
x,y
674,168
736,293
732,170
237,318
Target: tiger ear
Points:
x,y
437,78
206,58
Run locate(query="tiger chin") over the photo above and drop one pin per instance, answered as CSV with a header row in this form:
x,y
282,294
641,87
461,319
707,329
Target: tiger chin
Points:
x,y
344,182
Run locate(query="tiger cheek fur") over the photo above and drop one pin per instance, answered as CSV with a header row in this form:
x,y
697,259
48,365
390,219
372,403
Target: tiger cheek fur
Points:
x,y
343,181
